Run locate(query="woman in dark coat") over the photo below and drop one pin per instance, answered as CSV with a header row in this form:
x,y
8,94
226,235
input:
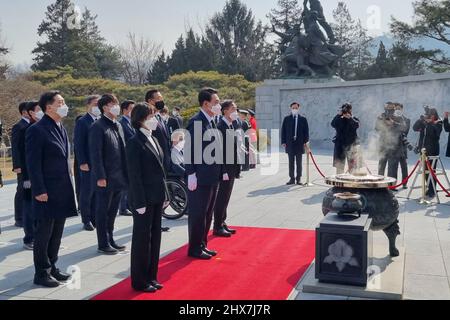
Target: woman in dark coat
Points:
x,y
147,194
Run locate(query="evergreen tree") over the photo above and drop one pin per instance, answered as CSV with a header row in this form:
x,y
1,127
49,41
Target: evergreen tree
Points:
x,y
73,41
159,73
288,13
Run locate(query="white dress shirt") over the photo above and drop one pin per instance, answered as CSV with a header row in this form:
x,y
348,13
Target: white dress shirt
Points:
x,y
149,136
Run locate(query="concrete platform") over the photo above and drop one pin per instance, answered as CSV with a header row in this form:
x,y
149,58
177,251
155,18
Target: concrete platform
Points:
x,y
387,285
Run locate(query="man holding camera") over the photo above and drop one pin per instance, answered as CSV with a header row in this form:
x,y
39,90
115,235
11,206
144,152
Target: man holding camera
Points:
x,y
430,127
392,128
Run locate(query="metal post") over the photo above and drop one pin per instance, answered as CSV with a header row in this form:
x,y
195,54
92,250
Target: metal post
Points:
x,y
308,161
424,173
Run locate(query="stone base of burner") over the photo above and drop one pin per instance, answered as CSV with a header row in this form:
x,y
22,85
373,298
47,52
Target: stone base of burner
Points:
x,y
385,285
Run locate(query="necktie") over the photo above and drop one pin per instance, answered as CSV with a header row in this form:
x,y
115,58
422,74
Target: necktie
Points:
x,y
213,124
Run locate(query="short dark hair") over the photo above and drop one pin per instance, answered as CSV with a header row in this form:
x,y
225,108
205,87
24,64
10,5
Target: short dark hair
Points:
x,y
227,104
47,98
294,104
149,95
206,95
91,98
347,106
105,100
32,105
164,110
23,106
126,104
177,108
140,112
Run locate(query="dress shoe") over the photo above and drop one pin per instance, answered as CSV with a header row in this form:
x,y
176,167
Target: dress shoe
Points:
x,y
149,289
28,246
46,281
291,182
227,229
210,252
157,285
222,233
201,256
117,247
405,186
88,227
126,213
110,251
165,229
18,224
299,183
60,276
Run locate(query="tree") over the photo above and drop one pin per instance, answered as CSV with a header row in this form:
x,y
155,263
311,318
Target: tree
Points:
x,y
138,57
239,42
4,65
159,72
432,21
73,40
288,13
352,36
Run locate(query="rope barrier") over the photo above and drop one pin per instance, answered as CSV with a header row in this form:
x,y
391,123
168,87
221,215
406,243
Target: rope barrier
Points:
x,y
405,181
315,164
433,173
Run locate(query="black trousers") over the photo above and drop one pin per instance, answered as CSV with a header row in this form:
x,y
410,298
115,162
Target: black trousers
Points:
x,y
393,163
432,184
222,201
106,208
47,240
382,163
124,202
404,167
295,162
87,199
145,247
18,199
201,207
29,222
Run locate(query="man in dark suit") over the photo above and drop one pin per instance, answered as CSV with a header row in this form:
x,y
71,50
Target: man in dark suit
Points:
x,y
16,136
172,123
128,131
81,145
47,155
203,174
231,168
35,114
294,136
176,113
109,171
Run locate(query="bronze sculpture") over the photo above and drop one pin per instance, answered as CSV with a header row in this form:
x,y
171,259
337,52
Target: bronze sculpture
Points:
x,y
309,53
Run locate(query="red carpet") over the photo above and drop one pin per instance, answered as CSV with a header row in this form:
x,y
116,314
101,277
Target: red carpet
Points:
x,y
255,264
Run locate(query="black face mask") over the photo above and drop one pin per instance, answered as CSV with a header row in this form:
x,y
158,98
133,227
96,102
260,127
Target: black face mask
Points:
x,y
160,105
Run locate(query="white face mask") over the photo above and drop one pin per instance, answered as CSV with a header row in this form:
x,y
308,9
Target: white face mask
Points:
x,y
398,113
234,116
96,111
165,118
39,115
115,111
175,113
63,111
180,145
217,109
295,112
151,124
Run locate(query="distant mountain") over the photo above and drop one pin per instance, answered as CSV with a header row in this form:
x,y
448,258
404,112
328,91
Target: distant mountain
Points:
x,y
426,43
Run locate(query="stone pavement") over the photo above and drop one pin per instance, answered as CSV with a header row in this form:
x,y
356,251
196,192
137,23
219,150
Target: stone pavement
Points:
x,y
258,201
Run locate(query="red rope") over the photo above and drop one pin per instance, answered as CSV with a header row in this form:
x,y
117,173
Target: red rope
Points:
x,y
433,173
405,181
315,164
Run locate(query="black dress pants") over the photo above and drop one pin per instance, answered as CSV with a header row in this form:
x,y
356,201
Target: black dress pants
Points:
x,y
87,199
145,247
222,201
295,163
107,205
18,200
47,241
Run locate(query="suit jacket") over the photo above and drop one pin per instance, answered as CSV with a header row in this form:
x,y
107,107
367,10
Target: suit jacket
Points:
x,y
107,152
47,158
17,136
173,125
162,135
287,134
177,165
146,173
232,168
207,174
81,139
128,130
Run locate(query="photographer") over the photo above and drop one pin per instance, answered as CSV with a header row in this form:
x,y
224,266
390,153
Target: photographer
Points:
x,y
430,128
391,128
447,129
346,139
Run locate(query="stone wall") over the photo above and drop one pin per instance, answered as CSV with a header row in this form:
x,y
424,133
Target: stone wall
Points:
x,y
320,100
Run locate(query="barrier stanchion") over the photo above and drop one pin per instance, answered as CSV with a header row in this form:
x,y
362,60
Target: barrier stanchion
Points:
x,y
424,177
308,164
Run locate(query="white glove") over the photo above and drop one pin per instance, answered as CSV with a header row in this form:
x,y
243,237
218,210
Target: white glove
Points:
x,y
226,177
27,184
141,211
192,182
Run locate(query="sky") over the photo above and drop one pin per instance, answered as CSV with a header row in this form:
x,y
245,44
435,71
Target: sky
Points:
x,y
163,21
